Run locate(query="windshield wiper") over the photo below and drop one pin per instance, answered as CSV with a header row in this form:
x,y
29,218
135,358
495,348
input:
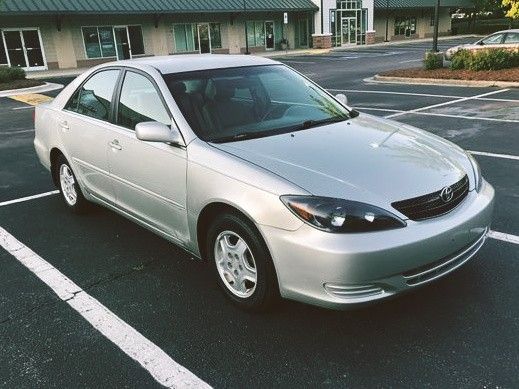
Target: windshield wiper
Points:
x,y
315,123
240,136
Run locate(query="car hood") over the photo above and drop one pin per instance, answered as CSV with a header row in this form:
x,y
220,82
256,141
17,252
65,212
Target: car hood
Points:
x,y
365,159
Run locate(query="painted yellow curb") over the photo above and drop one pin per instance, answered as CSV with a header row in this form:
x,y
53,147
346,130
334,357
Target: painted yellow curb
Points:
x,y
32,98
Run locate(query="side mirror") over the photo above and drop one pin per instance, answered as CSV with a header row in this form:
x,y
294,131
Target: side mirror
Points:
x,y
158,132
342,98
480,43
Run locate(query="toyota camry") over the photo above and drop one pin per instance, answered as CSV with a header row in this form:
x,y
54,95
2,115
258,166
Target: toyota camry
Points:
x,y
283,188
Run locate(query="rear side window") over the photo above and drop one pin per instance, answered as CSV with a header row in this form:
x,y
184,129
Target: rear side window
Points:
x,y
94,97
140,102
512,37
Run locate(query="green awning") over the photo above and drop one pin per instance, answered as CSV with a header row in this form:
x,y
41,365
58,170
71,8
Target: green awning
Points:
x,y
38,7
381,4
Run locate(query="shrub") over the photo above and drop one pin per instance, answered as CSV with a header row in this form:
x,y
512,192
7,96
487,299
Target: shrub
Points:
x,y
460,60
488,59
433,60
10,74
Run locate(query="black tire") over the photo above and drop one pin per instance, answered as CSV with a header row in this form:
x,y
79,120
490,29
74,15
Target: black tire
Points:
x,y
80,204
266,292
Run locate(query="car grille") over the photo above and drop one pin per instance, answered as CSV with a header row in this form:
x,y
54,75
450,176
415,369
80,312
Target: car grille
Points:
x,y
445,265
432,204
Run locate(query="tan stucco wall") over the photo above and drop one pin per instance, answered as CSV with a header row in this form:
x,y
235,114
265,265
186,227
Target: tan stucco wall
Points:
x,y
423,21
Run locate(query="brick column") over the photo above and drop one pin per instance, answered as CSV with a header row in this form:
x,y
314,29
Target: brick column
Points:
x,y
370,37
321,41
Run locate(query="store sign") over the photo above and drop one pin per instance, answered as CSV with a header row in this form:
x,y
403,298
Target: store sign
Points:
x,y
285,17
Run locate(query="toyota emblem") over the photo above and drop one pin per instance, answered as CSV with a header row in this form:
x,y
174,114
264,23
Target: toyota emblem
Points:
x,y
446,194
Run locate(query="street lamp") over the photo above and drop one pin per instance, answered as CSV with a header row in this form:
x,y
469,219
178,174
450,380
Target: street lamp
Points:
x,y
387,21
436,22
246,29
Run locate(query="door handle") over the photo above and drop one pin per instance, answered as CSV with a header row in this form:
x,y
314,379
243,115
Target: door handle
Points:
x,y
115,145
64,126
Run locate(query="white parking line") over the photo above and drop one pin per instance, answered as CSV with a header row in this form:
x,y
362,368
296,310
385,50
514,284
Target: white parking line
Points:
x,y
504,156
16,132
22,199
436,114
446,103
26,107
412,60
162,368
503,237
395,93
302,62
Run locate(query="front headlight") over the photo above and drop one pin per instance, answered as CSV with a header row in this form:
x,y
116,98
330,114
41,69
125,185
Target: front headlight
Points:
x,y
338,215
478,178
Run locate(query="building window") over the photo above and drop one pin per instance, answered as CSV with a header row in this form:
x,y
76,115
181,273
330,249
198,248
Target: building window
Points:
x,y
405,26
216,36
186,37
349,4
3,55
100,41
256,33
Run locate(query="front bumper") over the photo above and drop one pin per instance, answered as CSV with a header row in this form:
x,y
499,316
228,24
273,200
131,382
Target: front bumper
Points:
x,y
338,270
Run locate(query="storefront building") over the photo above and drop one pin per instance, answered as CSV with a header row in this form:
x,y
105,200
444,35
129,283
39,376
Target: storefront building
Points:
x,y
39,35
357,22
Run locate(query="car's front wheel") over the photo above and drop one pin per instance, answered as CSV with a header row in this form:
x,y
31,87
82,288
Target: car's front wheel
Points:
x,y
242,263
69,187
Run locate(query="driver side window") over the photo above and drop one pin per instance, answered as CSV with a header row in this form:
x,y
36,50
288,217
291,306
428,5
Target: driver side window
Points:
x,y
94,98
493,39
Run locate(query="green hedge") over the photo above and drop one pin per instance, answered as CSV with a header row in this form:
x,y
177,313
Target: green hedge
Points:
x,y
10,74
433,60
485,59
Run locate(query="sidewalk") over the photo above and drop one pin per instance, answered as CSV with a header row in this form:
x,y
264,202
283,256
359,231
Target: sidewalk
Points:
x,y
267,54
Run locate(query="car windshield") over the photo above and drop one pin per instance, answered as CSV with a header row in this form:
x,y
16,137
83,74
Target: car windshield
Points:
x,y
225,105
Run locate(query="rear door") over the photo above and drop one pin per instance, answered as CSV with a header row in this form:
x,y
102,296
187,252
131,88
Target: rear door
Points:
x,y
149,177
84,125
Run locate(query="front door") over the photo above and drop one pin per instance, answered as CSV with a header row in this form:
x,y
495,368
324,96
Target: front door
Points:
x,y
24,49
269,35
204,39
303,32
122,43
348,31
149,178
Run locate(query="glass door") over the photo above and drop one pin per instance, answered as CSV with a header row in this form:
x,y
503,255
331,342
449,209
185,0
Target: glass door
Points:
x,y
348,31
269,36
24,48
122,43
15,51
31,40
303,32
204,39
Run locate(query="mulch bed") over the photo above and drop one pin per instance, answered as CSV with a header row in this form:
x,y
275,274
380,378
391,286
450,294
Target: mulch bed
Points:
x,y
446,73
17,84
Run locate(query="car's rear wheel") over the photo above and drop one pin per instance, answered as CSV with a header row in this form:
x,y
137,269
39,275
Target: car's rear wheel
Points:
x,y
242,263
69,187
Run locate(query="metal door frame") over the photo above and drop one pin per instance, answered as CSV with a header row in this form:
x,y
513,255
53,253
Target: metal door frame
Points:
x,y
349,19
208,36
24,49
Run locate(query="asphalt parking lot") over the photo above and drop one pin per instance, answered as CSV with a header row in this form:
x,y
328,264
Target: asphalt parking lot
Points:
x,y
462,331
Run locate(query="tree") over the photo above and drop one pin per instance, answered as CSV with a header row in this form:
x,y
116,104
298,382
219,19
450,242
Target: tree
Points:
x,y
513,6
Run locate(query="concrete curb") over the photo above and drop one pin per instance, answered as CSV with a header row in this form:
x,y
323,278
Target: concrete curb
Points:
x,y
47,87
441,82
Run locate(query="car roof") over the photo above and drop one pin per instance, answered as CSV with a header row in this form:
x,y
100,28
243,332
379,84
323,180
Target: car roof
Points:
x,y
190,62
512,30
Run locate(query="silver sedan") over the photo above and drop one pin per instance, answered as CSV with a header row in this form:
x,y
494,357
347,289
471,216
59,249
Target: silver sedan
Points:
x,y
284,189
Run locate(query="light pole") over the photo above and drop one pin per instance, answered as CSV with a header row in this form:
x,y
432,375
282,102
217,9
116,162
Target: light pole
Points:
x,y
246,29
387,21
436,22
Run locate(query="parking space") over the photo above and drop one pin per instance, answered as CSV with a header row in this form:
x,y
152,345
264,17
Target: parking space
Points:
x,y
458,332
